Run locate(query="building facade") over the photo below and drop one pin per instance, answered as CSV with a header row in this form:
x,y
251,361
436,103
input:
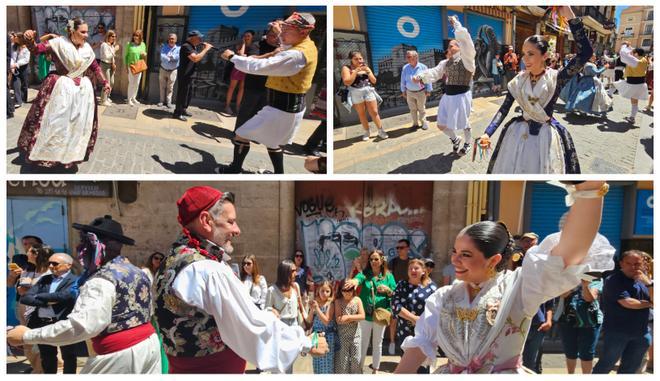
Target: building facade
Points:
x,y
636,27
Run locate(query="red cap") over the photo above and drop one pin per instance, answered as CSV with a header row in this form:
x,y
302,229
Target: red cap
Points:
x,y
194,201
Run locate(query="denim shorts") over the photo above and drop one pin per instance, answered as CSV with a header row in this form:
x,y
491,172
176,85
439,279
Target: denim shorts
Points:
x,y
362,94
579,342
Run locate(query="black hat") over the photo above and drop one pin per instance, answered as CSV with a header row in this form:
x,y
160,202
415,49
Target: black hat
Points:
x,y
106,227
429,262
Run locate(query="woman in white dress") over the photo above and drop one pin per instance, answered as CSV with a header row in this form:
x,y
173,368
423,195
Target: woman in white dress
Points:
x,y
62,124
456,104
481,320
536,142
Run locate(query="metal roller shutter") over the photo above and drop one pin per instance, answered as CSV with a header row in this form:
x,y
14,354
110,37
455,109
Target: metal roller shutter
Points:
x,y
392,26
475,21
391,32
548,207
206,18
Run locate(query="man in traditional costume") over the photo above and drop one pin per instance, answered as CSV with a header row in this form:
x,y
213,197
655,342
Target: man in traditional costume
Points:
x,y
456,104
113,308
290,74
206,316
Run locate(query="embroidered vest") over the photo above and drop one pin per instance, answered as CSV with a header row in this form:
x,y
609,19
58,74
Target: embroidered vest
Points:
x,y
132,306
300,82
639,70
187,331
457,74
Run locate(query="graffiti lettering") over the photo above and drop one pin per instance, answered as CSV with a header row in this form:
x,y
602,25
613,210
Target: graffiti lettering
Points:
x,y
386,208
319,206
332,245
53,19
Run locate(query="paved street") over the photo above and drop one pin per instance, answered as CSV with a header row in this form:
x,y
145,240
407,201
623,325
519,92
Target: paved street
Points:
x,y
604,145
146,140
553,363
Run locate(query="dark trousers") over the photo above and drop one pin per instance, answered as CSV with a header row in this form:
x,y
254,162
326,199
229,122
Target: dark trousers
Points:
x,y
318,136
20,84
49,352
630,349
532,349
184,94
253,101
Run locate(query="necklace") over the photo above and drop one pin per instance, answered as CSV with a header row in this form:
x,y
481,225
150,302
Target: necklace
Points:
x,y
533,78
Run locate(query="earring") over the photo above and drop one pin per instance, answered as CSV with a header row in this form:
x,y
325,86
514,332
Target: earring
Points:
x,y
492,272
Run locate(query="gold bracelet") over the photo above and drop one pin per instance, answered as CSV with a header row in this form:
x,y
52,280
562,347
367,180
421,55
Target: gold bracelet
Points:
x,y
574,194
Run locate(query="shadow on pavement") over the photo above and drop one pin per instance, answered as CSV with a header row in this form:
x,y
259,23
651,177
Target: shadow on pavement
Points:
x,y
212,132
206,165
32,168
440,163
157,113
611,126
648,146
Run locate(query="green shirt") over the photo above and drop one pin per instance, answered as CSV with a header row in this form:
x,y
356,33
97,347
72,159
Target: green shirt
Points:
x,y
382,300
133,53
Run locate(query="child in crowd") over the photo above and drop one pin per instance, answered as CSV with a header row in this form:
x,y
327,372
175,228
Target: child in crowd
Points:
x,y
321,317
349,311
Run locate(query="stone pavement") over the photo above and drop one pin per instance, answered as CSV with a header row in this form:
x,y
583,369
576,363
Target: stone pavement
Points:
x,y
604,145
146,140
553,363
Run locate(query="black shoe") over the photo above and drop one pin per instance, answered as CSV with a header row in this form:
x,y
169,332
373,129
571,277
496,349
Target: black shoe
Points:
x,y
180,117
186,113
465,149
456,143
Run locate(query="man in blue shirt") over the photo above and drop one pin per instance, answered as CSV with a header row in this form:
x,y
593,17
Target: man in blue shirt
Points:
x,y
627,298
415,93
169,62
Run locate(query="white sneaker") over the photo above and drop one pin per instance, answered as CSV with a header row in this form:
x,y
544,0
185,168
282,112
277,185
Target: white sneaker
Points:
x,y
136,102
391,349
457,143
160,104
382,134
170,106
366,136
425,125
130,103
106,103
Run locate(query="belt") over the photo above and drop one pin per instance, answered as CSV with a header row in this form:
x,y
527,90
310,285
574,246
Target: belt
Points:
x,y
166,69
47,320
415,91
287,102
456,89
636,80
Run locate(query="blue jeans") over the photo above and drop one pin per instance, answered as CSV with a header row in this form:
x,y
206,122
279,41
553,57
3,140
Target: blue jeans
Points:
x,y
579,342
532,347
630,349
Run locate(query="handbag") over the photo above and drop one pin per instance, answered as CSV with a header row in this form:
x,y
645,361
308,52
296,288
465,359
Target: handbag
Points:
x,y
138,67
380,315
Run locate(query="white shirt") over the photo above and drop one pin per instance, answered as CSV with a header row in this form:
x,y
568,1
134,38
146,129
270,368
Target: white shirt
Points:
x,y
108,53
255,335
257,292
467,54
20,57
90,316
283,64
626,56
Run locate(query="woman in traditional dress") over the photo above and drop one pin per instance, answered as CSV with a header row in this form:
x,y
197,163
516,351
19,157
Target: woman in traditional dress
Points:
x,y
535,142
456,104
587,93
481,320
62,124
634,87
